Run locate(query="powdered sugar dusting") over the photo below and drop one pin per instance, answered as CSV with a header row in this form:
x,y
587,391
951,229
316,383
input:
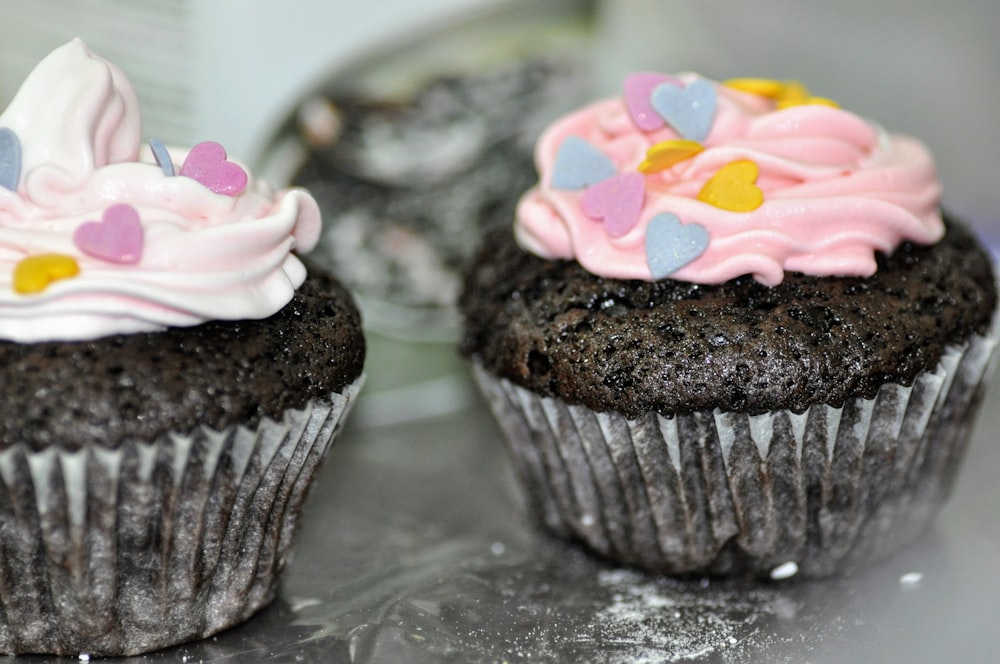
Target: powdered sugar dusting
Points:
x,y
651,619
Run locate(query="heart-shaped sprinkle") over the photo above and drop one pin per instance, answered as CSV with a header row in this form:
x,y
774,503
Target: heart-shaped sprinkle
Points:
x,y
116,238
10,158
638,89
732,187
788,102
579,165
665,154
689,110
670,245
34,273
162,156
617,201
764,87
792,92
206,163
785,93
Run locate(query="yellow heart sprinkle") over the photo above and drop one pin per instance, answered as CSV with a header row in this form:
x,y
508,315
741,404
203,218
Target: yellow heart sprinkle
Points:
x,y
34,273
785,93
665,154
806,101
732,187
792,91
765,87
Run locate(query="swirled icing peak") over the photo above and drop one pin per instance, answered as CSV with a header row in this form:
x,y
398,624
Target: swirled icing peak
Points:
x,y
702,181
101,234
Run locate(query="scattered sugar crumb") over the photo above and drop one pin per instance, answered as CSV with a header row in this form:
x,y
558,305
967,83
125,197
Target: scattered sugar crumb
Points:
x,y
911,579
785,571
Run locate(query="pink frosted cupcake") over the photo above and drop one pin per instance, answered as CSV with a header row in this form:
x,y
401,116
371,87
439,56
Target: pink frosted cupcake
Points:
x,y
732,332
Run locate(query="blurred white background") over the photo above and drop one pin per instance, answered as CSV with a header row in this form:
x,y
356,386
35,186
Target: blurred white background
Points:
x,y
921,67
232,70
225,70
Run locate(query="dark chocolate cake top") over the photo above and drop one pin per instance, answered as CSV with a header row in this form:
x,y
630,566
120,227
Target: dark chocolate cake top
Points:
x,y
218,374
670,346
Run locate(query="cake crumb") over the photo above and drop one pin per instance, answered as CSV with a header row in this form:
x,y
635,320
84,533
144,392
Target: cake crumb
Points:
x,y
785,571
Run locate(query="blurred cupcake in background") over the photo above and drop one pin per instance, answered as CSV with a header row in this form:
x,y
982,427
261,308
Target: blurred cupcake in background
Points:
x,y
411,159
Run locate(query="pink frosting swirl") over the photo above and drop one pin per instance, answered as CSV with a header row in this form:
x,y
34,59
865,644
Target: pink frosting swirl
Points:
x,y
205,255
836,189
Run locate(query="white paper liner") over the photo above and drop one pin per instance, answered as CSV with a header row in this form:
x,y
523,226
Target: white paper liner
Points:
x,y
720,493
123,551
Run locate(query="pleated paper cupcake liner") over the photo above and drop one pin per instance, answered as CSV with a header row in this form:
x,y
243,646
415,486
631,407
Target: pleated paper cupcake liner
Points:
x,y
718,492
123,551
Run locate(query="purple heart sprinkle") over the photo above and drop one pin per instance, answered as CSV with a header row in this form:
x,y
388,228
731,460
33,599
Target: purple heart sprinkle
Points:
x,y
638,89
117,238
207,163
618,201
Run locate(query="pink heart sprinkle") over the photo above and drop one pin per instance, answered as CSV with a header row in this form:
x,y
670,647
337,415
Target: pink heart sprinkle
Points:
x,y
206,163
618,201
116,238
638,93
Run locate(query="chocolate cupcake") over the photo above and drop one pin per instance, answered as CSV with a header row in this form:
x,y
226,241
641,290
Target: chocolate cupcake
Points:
x,y
172,378
734,334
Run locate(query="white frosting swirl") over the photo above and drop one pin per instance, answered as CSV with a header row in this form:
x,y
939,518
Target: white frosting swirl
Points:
x,y
205,255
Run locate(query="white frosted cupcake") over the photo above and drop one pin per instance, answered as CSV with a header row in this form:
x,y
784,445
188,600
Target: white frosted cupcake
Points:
x,y
171,377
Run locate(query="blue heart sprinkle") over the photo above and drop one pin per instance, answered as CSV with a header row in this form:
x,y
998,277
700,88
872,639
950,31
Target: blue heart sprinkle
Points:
x,y
689,110
671,245
10,158
579,165
162,156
